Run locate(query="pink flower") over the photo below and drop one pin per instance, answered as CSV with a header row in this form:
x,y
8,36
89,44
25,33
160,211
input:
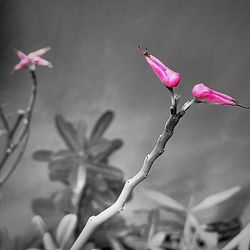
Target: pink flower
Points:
x,y
169,77
204,94
32,59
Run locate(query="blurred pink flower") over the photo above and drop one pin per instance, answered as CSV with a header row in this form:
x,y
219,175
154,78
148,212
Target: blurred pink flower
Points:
x,y
204,94
169,77
32,59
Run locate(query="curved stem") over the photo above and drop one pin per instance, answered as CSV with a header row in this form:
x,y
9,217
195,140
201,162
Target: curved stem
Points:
x,y
95,221
11,146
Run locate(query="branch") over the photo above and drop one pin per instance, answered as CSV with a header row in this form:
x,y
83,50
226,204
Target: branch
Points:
x,y
11,145
94,221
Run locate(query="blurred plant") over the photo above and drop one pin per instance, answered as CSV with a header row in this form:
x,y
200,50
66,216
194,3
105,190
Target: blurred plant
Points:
x,y
63,237
147,236
216,217
92,184
17,135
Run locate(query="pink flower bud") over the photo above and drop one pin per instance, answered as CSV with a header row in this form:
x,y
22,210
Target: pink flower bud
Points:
x,y
204,94
169,77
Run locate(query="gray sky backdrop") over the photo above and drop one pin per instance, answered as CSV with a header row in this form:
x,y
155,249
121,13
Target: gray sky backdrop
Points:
x,y
97,67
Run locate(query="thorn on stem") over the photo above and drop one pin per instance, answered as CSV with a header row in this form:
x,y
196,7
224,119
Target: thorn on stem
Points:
x,y
128,181
121,209
91,218
162,150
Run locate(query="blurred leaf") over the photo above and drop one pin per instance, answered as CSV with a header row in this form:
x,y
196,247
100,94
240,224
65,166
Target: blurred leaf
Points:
x,y
102,199
63,154
107,171
61,166
156,240
39,224
167,202
77,181
67,132
48,242
97,146
81,130
115,243
171,225
215,199
117,186
223,206
97,183
65,231
134,242
43,206
59,172
85,209
62,200
114,145
102,124
42,155
116,224
153,220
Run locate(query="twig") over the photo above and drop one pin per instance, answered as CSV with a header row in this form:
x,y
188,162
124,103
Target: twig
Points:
x,y
16,162
11,145
4,119
94,221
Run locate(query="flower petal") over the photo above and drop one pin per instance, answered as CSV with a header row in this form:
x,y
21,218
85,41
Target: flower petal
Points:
x,y
21,55
20,65
42,62
39,52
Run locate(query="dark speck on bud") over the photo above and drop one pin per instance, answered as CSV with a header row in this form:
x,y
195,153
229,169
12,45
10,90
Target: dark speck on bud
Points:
x,y
143,51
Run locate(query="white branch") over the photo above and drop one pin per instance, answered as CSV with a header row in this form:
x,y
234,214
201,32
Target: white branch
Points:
x,y
94,221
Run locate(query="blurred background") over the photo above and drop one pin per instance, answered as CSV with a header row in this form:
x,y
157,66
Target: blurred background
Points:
x,y
97,67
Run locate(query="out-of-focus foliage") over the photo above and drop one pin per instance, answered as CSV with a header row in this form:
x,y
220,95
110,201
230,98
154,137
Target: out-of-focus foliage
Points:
x,y
209,224
64,235
91,183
